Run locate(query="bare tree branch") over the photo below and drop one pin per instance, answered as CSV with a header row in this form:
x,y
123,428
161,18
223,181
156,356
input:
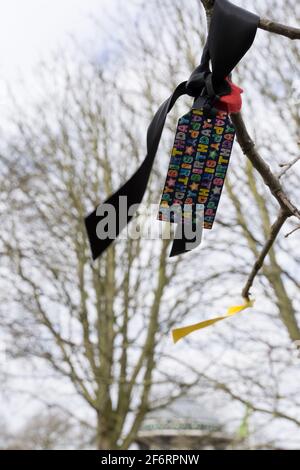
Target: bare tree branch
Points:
x,y
264,23
288,31
248,148
276,227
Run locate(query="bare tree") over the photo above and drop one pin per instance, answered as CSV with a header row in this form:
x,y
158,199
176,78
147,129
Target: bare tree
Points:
x,y
104,326
47,430
100,325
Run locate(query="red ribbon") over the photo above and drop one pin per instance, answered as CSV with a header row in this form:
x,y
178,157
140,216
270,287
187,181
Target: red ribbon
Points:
x,y
231,103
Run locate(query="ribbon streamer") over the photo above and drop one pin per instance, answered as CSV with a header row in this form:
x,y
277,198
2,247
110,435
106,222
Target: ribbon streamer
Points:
x,y
180,333
231,34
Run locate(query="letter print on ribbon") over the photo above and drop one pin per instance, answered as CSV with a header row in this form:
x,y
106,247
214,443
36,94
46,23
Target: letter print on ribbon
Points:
x,y
198,165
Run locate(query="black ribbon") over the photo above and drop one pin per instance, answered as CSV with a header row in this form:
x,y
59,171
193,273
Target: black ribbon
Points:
x,y
231,34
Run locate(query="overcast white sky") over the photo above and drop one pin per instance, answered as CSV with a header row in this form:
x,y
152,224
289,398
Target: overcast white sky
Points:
x,y
29,31
31,28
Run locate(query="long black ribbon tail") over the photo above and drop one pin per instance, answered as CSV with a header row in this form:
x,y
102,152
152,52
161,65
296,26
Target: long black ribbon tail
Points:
x,y
134,189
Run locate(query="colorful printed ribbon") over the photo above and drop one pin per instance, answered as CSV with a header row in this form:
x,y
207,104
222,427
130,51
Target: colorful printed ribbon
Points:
x,y
198,164
180,333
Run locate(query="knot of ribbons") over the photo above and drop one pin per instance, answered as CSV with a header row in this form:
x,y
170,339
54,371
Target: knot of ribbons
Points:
x,y
231,34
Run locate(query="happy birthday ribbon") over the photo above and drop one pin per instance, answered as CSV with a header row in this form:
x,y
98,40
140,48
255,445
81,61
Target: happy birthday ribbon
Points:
x,y
180,333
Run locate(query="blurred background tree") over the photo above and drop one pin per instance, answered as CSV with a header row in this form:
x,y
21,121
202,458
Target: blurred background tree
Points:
x,y
48,430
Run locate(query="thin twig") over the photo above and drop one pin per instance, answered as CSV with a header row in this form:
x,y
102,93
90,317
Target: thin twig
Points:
x,y
286,166
287,208
275,229
292,231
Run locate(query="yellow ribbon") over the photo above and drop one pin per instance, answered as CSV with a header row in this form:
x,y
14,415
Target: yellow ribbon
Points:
x,y
180,333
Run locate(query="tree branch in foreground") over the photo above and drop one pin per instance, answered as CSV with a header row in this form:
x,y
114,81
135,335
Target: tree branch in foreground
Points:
x,y
288,209
264,23
288,31
247,145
